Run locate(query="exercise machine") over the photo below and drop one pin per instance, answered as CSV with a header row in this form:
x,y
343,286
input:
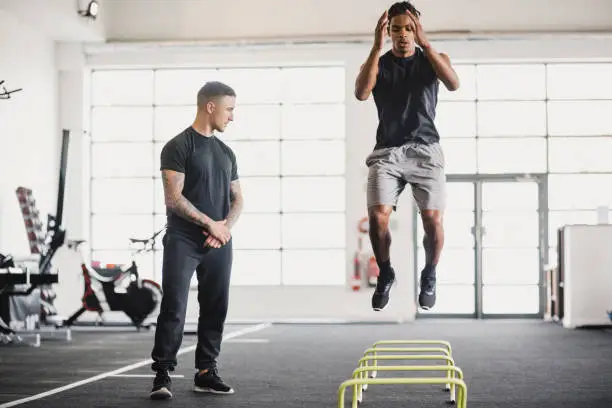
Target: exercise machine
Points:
x,y
112,287
25,294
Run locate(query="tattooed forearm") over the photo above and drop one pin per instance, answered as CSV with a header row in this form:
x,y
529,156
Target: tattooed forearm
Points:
x,y
236,204
177,203
183,208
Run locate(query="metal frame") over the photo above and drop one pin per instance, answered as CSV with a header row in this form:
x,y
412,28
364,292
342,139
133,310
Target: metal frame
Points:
x,y
478,179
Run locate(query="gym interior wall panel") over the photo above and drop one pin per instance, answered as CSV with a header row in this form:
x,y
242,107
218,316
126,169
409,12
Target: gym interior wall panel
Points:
x,y
29,133
580,154
120,160
580,117
511,118
512,155
579,81
456,119
460,155
314,231
313,194
122,88
122,124
313,267
511,82
264,194
313,121
254,85
578,191
178,86
255,122
311,158
169,121
313,84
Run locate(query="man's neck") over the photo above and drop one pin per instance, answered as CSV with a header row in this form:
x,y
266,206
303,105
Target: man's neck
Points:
x,y
202,127
405,54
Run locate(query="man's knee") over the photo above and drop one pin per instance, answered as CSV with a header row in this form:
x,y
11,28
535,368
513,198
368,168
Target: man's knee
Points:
x,y
379,216
432,219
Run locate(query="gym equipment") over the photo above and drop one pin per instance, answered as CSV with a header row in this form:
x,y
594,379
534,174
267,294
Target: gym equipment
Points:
x,y
24,294
113,287
6,94
460,384
365,373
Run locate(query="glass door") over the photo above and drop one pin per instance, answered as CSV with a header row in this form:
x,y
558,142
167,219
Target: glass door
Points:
x,y
456,278
510,250
495,235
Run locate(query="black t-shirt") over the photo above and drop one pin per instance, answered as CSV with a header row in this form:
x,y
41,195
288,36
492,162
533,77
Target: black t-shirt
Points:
x,y
406,95
209,166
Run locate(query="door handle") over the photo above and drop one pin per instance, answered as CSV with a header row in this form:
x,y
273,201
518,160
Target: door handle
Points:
x,y
478,230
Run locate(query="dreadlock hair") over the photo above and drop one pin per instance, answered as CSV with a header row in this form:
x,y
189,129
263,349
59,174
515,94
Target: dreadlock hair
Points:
x,y
400,8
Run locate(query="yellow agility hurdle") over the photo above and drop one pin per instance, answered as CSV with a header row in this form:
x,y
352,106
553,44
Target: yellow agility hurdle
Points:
x,y
462,394
414,342
376,350
359,373
363,362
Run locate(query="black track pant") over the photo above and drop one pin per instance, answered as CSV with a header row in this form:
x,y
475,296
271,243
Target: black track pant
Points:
x,y
182,256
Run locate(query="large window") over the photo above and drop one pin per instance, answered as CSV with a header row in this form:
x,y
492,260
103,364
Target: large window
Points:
x,y
535,118
288,137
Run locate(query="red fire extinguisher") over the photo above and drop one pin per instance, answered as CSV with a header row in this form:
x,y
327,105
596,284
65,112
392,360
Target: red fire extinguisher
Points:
x,y
356,278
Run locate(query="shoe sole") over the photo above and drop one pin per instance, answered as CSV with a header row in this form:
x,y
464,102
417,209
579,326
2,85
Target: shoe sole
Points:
x,y
426,307
211,391
161,394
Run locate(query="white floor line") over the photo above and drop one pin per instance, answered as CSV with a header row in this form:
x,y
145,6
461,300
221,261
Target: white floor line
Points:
x,y
130,367
144,375
248,341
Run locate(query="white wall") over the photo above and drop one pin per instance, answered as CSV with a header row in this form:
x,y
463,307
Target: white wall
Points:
x,y
29,134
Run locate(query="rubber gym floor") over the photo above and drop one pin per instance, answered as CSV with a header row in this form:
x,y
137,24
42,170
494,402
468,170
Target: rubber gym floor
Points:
x,y
506,363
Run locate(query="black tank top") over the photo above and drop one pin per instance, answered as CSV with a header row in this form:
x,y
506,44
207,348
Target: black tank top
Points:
x,y
406,95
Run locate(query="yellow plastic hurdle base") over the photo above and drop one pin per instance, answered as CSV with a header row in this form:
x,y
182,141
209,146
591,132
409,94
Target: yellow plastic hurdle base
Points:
x,y
449,363
355,382
359,373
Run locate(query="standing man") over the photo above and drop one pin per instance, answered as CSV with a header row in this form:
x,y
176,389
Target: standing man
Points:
x,y
404,82
203,202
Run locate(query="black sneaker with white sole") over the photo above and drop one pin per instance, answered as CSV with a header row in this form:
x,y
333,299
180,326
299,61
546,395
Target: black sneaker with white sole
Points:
x,y
380,298
162,386
427,295
211,382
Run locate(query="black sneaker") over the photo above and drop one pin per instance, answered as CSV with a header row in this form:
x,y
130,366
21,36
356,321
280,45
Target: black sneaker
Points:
x,y
211,382
427,296
380,298
162,385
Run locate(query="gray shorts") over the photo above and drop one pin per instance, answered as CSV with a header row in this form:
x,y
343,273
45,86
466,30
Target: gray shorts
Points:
x,y
420,165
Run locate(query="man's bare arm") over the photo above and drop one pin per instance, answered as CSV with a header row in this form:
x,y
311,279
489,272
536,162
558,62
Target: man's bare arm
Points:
x,y
175,200
366,79
237,203
444,70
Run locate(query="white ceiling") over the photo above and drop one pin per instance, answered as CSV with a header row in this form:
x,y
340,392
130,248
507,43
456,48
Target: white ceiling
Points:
x,y
255,20
56,19
242,20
